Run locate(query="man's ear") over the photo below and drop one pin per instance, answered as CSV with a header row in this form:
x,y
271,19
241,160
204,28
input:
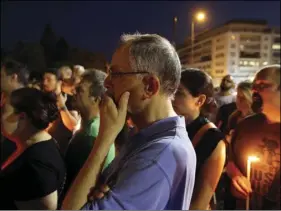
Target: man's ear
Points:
x,y
151,85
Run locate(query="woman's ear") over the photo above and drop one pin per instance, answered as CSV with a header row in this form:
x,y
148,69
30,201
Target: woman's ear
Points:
x,y
201,100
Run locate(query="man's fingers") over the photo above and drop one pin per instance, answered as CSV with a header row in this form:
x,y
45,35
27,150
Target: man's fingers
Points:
x,y
235,192
104,188
245,184
95,194
239,188
123,103
98,194
104,101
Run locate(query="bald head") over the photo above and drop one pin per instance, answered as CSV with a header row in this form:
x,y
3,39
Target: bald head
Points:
x,y
269,73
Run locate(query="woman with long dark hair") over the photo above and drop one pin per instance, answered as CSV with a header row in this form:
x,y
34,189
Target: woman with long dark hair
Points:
x,y
193,100
32,177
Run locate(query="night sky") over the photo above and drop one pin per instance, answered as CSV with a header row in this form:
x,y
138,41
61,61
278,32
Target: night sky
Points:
x,y
97,26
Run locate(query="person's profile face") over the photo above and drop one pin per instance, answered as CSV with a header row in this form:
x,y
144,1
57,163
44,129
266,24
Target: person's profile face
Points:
x,y
82,96
242,103
3,80
49,82
184,103
227,83
117,83
6,81
266,93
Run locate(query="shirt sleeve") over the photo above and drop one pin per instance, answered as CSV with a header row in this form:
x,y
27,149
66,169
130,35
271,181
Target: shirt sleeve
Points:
x,y
37,180
142,185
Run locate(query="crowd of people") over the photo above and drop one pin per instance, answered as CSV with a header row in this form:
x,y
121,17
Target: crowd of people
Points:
x,y
148,135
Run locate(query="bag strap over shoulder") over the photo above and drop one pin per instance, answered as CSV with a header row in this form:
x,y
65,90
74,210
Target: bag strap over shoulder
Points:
x,y
201,132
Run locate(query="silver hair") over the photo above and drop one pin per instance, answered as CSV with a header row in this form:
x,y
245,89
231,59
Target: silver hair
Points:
x,y
156,55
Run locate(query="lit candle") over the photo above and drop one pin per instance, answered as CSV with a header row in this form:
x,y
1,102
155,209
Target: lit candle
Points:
x,y
249,162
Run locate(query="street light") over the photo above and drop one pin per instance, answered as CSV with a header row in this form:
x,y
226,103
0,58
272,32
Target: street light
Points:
x,y
175,21
199,17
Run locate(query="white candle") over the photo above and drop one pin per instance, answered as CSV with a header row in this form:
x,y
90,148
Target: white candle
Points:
x,y
249,162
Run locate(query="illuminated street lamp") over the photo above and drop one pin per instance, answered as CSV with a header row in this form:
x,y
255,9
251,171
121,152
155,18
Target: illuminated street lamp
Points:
x,y
199,17
175,21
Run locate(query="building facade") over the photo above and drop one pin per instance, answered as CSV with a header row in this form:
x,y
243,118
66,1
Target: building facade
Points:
x,y
239,48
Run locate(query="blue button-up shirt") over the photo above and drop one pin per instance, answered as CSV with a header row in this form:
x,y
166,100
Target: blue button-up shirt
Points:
x,y
155,171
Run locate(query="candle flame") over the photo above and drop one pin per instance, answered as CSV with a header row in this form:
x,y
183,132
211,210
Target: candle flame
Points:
x,y
253,159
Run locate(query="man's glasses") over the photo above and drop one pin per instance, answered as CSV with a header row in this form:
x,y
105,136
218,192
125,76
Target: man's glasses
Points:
x,y
114,74
227,81
261,86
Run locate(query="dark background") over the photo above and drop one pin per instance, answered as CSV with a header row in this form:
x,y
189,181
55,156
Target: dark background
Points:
x,y
96,26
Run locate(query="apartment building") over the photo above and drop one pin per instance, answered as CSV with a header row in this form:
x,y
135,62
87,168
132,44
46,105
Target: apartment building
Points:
x,y
239,48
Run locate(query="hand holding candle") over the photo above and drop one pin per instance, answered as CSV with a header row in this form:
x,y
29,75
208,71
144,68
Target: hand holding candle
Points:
x,y
249,162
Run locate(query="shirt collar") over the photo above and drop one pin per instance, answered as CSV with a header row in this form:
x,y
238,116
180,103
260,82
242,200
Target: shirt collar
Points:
x,y
162,126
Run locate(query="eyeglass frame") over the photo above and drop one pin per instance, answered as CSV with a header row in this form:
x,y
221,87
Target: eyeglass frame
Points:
x,y
111,74
261,86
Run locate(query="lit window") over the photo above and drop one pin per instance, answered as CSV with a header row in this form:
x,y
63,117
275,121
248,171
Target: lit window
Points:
x,y
252,63
233,37
241,62
245,62
276,46
265,63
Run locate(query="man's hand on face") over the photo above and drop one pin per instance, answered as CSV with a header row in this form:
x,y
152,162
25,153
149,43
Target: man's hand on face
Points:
x,y
240,187
112,116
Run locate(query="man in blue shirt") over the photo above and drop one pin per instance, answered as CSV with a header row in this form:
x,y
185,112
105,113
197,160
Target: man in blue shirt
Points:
x,y
156,169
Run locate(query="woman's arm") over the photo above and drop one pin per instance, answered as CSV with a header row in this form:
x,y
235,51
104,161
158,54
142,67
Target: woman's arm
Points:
x,y
208,178
48,202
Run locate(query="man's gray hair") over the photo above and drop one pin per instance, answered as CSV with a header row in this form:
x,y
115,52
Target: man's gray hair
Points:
x,y
156,55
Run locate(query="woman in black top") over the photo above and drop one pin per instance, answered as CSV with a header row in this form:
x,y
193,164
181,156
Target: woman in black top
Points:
x,y
32,177
194,95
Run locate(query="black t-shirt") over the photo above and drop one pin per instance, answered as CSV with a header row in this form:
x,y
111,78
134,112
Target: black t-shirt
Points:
x,y
37,172
255,136
223,115
7,148
207,143
59,131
